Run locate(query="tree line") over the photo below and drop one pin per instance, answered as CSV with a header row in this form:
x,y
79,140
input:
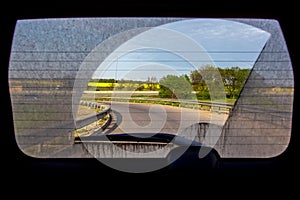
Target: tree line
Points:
x,y
185,86
198,81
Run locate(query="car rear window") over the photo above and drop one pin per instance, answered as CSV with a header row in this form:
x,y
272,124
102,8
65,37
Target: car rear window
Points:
x,y
224,83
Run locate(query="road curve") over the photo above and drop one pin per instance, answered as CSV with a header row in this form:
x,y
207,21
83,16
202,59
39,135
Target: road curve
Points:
x,y
154,118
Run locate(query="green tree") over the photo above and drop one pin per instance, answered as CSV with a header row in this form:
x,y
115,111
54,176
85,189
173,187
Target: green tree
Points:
x,y
172,86
197,80
204,79
199,85
234,79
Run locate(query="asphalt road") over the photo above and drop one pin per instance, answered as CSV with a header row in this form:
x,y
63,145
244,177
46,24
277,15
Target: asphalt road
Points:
x,y
154,118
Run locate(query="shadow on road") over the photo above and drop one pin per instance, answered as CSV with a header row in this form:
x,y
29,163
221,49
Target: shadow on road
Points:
x,y
116,121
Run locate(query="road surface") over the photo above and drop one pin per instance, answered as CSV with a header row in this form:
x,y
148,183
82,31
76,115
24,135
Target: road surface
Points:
x,y
154,118
142,118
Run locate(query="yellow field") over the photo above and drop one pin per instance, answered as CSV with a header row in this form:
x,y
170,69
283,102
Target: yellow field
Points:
x,y
94,84
136,85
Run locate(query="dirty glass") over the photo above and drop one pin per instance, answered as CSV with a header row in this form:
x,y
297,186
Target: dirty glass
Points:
x,y
225,83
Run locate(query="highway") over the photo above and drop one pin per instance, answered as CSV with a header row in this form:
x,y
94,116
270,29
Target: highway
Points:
x,y
154,118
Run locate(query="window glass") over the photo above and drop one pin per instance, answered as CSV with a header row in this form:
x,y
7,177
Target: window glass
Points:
x,y
78,84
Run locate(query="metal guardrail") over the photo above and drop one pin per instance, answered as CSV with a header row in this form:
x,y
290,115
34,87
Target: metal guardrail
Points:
x,y
270,111
84,121
274,116
212,106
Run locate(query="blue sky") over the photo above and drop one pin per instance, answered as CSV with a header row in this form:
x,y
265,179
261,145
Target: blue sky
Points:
x,y
222,43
